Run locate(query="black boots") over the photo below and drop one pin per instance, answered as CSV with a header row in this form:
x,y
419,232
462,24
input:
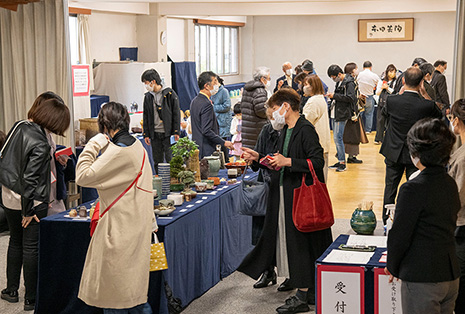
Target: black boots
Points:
x,y
267,277
10,296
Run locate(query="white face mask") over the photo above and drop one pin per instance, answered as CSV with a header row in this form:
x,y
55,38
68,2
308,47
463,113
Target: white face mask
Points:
x,y
415,160
307,90
148,88
289,72
356,72
279,120
268,84
214,90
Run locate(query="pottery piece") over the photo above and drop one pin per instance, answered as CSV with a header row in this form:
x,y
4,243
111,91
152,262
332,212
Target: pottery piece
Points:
x,y
177,198
166,203
363,219
214,165
201,186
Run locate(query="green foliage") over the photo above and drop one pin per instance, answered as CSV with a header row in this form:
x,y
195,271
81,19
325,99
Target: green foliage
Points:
x,y
186,177
184,148
176,166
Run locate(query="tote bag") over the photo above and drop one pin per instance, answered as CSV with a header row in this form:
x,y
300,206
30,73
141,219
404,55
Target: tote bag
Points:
x,y
253,197
158,256
312,209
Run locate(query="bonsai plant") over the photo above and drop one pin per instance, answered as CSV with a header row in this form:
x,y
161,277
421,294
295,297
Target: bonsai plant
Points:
x,y
187,178
184,148
176,166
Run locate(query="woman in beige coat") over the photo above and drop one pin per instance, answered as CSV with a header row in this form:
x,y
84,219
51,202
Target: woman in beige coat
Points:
x,y
316,112
116,271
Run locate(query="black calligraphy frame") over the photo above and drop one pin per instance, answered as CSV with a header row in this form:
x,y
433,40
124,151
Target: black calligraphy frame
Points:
x,y
363,25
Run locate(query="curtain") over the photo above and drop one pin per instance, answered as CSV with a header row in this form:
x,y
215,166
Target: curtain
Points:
x,y
84,46
34,52
459,69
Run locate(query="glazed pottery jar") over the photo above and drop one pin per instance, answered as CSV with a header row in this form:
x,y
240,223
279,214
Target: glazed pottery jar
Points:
x,y
214,165
363,219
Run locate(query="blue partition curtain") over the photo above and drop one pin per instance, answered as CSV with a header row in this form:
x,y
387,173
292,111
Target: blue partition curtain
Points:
x,y
184,82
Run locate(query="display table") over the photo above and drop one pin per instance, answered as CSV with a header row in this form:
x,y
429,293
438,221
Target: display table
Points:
x,y
348,287
205,241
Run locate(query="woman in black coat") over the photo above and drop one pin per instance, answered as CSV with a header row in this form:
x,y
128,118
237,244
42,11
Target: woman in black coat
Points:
x,y
281,244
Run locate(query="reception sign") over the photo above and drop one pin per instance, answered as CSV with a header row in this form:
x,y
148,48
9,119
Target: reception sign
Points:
x,y
385,30
340,289
387,295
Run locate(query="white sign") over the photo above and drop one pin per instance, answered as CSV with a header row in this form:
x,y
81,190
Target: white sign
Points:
x,y
378,241
81,80
386,30
348,257
340,292
389,299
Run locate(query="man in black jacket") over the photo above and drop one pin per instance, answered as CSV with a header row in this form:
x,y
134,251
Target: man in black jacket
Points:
x,y
439,83
403,111
205,129
162,117
417,62
343,101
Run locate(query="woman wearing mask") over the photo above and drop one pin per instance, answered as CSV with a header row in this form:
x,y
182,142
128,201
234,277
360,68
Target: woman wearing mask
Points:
x,y
26,178
253,109
457,171
295,252
116,278
421,243
316,112
383,90
222,108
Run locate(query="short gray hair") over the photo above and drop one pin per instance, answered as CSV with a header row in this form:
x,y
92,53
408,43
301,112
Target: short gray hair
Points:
x,y
260,72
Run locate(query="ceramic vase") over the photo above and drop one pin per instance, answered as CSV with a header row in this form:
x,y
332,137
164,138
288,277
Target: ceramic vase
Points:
x,y
214,165
363,221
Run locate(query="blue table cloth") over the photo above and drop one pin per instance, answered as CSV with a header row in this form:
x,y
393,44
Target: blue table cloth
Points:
x,y
96,102
205,241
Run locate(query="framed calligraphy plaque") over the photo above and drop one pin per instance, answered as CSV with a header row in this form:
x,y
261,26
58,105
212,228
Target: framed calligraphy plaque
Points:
x,y
385,30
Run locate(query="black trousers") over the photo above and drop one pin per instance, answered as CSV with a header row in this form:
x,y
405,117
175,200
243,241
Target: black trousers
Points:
x,y
394,173
380,125
460,249
161,149
23,251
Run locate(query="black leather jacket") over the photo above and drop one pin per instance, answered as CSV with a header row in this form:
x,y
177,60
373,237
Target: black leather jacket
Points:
x,y
25,165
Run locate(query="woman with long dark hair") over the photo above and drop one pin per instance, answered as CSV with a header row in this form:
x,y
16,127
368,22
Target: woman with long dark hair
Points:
x,y
384,89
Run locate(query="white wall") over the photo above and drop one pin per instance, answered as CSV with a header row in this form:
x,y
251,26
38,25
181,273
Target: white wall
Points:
x,y
176,39
333,39
110,31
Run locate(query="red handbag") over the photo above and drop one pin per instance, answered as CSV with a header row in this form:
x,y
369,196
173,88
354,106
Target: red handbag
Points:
x,y
96,216
312,209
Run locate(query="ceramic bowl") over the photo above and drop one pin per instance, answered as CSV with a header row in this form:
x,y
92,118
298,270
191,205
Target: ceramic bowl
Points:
x,y
210,184
200,186
163,212
166,203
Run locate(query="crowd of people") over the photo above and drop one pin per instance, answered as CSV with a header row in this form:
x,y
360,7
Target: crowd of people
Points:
x,y
290,125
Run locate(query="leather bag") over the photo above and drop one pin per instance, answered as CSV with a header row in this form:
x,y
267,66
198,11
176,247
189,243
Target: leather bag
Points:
x,y
312,209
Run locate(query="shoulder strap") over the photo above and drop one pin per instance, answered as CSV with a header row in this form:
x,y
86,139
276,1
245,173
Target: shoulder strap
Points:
x,y
10,136
127,189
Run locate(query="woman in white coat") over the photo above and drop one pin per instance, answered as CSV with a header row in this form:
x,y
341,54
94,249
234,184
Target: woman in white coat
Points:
x,y
316,112
117,266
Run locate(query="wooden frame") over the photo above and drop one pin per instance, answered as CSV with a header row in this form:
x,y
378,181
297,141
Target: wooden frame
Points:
x,y
382,30
218,23
73,10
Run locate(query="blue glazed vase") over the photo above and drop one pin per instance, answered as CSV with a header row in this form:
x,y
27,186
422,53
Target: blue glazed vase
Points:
x,y
363,221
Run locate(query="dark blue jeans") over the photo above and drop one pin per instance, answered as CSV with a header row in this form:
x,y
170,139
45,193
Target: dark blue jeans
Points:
x,y
23,251
140,309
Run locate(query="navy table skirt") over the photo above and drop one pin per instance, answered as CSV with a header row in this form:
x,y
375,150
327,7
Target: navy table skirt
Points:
x,y
205,241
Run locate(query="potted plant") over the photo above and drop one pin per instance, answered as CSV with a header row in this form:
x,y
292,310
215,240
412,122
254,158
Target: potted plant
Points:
x,y
176,166
187,178
184,148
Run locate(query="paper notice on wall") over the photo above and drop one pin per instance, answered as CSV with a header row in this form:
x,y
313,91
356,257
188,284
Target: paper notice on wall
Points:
x,y
81,80
378,241
348,257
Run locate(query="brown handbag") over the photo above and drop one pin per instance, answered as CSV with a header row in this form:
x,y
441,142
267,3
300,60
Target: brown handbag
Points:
x,y
312,209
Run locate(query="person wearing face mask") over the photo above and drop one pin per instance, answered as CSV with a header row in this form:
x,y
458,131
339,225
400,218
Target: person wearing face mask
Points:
x,y
316,112
343,101
402,111
383,90
281,243
439,84
162,117
205,128
421,244
367,81
457,171
253,109
287,79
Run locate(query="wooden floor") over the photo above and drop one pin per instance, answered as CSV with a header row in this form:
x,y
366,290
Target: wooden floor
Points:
x,y
360,182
